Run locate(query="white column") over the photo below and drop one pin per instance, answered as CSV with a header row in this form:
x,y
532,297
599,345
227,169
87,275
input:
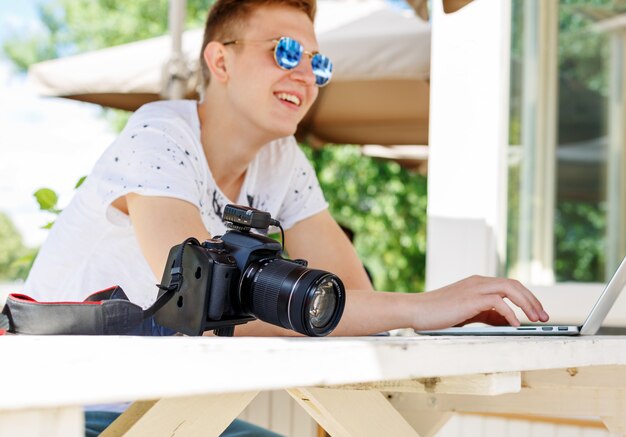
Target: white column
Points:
x,y
616,163
469,112
539,137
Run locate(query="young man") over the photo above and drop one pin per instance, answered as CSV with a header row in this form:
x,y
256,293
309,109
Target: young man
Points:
x,y
178,163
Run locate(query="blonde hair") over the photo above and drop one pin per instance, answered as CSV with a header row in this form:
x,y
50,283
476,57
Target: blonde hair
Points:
x,y
227,17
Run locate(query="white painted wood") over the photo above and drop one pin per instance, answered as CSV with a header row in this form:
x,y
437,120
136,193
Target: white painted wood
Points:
x,y
51,422
521,429
302,423
468,139
495,426
539,136
595,433
201,416
471,426
616,162
281,412
600,377
286,417
259,410
426,423
352,413
547,401
221,365
464,425
481,384
128,419
616,425
452,428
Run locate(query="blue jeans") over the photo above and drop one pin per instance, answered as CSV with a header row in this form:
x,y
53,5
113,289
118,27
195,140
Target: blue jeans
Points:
x,y
97,421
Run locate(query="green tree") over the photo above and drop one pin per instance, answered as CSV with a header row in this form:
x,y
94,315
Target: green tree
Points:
x,y
76,26
12,250
385,206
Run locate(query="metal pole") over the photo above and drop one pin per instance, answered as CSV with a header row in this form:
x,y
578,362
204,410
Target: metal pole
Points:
x,y
176,72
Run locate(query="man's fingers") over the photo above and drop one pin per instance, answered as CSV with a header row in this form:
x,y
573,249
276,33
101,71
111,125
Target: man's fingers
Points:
x,y
520,296
536,304
501,307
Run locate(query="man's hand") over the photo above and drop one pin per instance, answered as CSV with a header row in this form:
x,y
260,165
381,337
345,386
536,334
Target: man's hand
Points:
x,y
476,299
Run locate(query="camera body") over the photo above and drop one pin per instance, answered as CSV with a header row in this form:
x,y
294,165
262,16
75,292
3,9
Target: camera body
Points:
x,y
241,276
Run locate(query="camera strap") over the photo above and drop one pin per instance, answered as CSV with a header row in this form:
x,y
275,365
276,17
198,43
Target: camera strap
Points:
x,y
106,312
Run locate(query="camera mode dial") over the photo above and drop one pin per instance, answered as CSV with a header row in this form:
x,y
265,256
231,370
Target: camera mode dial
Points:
x,y
216,244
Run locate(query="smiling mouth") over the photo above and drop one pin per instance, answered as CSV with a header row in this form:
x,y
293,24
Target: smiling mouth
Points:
x,y
289,98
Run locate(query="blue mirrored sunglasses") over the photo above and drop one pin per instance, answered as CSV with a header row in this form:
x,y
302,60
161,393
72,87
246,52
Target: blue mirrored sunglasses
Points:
x,y
288,54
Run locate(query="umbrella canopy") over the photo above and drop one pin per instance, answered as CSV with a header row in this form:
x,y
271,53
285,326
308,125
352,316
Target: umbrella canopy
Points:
x,y
379,92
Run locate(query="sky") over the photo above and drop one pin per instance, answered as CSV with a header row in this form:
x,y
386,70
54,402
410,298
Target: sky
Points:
x,y
44,142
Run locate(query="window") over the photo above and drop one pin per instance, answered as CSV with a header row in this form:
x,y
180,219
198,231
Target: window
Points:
x,y
565,156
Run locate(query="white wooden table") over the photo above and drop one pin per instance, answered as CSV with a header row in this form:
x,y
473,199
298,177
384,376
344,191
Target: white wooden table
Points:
x,y
374,386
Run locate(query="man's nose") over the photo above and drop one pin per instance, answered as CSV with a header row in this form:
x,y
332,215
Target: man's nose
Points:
x,y
304,71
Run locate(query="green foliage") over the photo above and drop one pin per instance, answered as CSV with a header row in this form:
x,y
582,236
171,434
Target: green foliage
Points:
x,y
385,206
12,251
47,199
582,50
580,239
80,182
76,26
580,226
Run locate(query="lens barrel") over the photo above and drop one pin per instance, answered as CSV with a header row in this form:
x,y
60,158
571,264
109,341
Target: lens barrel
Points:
x,y
287,294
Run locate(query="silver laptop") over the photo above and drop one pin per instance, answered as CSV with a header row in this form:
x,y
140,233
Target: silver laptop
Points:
x,y
589,327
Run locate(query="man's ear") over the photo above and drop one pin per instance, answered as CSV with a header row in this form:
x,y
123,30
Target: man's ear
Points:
x,y
215,57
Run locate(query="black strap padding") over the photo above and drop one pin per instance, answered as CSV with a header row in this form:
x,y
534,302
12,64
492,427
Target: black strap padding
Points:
x,y
4,323
107,312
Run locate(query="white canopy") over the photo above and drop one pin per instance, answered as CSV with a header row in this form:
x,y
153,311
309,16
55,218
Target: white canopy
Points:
x,y
379,91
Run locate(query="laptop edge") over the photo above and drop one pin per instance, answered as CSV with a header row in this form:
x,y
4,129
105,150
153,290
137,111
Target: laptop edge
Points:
x,y
590,327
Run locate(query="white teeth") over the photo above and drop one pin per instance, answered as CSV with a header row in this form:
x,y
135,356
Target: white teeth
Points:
x,y
289,98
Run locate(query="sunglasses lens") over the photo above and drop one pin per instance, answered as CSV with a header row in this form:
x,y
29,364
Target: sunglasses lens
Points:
x,y
322,69
288,53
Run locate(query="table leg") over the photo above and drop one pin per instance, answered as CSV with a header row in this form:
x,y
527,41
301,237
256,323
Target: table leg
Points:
x,y
50,422
353,413
204,416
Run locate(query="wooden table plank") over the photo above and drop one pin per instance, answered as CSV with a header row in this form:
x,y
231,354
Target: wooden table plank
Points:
x,y
48,422
353,413
218,365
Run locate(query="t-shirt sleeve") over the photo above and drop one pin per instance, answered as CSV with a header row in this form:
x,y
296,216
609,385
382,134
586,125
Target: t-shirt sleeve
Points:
x,y
304,197
153,156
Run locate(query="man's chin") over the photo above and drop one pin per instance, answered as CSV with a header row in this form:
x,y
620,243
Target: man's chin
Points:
x,y
285,130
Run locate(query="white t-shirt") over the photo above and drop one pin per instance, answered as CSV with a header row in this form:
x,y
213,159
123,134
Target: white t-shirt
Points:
x,y
92,245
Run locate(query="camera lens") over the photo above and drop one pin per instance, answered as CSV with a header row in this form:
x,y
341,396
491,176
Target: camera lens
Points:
x,y
323,304
286,294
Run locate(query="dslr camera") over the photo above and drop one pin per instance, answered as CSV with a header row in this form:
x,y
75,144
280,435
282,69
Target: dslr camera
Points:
x,y
241,276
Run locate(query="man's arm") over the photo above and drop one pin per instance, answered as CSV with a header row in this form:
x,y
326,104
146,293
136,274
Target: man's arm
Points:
x,y
161,223
319,240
